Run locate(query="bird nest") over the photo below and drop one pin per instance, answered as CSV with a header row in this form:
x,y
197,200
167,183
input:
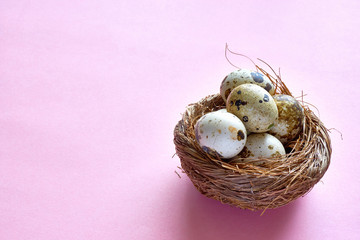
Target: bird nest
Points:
x,y
255,184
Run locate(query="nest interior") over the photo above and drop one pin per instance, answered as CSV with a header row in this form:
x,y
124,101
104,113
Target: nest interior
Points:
x,y
258,184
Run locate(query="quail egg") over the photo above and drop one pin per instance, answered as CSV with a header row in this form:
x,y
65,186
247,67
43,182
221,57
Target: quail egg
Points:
x,y
262,145
220,134
290,120
242,76
254,106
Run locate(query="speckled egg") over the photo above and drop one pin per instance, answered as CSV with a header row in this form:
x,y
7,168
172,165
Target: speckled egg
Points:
x,y
243,76
220,133
262,145
254,106
290,120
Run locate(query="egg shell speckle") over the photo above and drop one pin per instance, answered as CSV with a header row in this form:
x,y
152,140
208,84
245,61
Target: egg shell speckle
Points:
x,y
290,120
243,76
221,133
262,145
254,106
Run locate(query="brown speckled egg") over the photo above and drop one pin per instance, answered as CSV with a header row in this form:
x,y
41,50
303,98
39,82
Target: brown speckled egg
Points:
x,y
243,76
262,145
254,106
290,120
220,134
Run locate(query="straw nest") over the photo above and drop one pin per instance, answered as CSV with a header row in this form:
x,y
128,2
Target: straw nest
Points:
x,y
258,184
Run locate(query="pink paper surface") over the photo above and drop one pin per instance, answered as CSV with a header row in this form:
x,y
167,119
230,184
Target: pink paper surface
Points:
x,y
90,92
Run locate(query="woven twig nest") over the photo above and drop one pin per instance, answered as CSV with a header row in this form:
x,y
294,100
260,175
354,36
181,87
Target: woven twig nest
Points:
x,y
261,183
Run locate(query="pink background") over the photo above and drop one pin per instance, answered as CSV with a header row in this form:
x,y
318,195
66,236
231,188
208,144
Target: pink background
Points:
x,y
90,92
